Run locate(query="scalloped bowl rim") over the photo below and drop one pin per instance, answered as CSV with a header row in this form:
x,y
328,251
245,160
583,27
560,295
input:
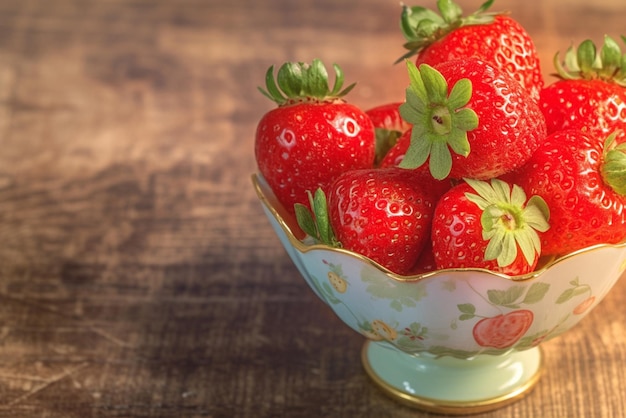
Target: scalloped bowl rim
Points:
x,y
263,190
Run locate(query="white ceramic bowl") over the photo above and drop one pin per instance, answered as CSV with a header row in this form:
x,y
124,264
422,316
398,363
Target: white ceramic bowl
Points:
x,y
451,341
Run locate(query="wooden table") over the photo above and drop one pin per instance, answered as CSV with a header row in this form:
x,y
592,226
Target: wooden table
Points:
x,y
138,275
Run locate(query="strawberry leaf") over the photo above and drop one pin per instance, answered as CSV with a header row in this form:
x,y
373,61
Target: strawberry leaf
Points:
x,y
316,223
417,83
571,59
460,95
435,85
450,11
273,92
316,78
537,214
509,221
586,62
301,81
440,120
336,91
385,140
320,210
440,160
486,5
610,57
305,219
417,153
586,56
457,140
421,26
613,167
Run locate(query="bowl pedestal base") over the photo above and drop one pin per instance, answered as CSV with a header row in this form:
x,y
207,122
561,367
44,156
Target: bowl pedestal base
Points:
x,y
450,385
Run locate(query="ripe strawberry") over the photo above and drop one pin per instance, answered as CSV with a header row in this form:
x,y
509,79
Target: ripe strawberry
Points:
x,y
591,91
493,37
388,125
583,181
426,261
381,213
469,120
489,225
313,135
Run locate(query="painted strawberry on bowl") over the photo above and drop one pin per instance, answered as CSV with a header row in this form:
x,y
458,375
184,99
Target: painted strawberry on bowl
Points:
x,y
459,244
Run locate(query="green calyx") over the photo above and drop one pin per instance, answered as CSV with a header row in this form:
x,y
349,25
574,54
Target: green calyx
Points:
x,y
385,140
421,26
315,222
440,120
300,81
613,168
509,221
587,63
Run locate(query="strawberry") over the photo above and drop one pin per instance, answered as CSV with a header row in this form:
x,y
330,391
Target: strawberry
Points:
x,y
590,92
388,125
426,261
583,181
313,135
469,120
383,214
489,225
493,37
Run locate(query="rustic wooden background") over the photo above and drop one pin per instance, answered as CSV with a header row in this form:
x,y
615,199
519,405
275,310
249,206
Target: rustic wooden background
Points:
x,y
138,276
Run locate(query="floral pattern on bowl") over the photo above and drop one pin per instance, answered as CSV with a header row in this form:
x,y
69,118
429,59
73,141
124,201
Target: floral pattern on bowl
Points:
x,y
461,312
457,313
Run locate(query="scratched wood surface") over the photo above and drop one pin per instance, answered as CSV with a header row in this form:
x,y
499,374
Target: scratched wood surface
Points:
x,y
138,277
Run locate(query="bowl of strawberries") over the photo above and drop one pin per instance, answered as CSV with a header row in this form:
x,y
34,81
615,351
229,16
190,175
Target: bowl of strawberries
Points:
x,y
459,229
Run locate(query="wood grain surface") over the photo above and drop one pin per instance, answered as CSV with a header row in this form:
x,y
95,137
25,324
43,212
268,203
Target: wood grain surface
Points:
x,y
138,275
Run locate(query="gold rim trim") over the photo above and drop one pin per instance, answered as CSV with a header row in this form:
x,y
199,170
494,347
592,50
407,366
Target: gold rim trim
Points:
x,y
451,407
268,199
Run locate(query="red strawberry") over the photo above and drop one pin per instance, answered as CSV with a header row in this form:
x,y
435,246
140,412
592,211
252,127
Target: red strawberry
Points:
x,y
583,181
313,135
382,214
388,125
469,120
504,330
493,37
426,261
489,225
590,93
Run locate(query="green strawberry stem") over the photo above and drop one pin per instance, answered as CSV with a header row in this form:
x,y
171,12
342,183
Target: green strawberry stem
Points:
x,y
316,223
421,26
613,168
587,63
300,81
385,140
440,121
509,220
